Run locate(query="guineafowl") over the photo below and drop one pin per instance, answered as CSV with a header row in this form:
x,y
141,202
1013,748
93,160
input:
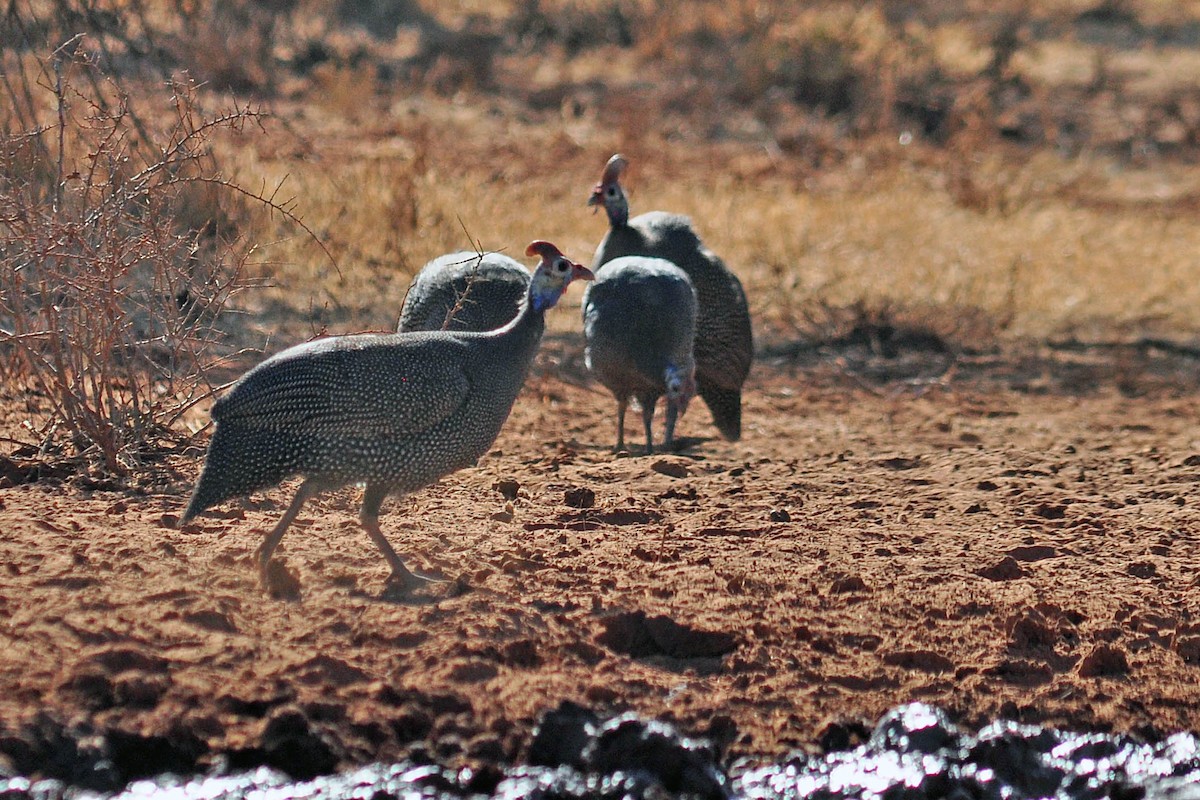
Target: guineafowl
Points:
x,y
395,412
724,343
465,291
639,317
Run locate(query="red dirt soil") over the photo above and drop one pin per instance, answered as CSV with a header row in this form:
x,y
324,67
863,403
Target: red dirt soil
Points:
x,y
1001,541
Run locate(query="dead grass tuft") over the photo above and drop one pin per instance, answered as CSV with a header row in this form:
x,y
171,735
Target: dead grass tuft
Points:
x,y
123,246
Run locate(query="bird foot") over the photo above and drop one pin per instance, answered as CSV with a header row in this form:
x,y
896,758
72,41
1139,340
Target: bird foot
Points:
x,y
407,581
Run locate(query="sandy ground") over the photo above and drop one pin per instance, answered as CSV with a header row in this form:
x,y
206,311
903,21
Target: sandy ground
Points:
x,y
1016,536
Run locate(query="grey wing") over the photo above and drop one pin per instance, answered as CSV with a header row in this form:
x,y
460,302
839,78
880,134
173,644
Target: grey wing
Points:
x,y
364,391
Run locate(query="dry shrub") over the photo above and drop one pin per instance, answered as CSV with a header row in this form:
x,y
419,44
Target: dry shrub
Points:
x,y
121,250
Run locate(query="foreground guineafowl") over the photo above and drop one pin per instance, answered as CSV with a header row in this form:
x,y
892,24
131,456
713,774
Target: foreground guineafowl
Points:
x,y
639,318
465,291
724,343
395,412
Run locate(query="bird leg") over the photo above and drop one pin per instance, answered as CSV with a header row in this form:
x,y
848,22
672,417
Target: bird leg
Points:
x,y
622,404
672,416
402,577
309,488
647,404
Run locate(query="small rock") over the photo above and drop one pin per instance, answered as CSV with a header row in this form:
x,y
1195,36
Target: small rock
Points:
x,y
1006,569
848,584
1188,648
1050,511
289,743
1104,661
901,462
579,497
1033,552
675,469
915,728
561,736
508,488
681,766
780,515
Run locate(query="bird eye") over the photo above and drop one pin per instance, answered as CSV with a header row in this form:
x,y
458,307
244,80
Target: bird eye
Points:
x,y
611,191
561,265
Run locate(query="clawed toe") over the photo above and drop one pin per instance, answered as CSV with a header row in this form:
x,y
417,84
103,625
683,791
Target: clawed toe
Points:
x,y
409,581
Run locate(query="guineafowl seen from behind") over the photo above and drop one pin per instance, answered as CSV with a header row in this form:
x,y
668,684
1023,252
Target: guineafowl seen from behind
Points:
x,y
465,291
395,412
724,342
639,319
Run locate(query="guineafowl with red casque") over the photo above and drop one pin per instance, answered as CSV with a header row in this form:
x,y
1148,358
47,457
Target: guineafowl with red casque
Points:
x,y
395,412
724,343
639,319
465,291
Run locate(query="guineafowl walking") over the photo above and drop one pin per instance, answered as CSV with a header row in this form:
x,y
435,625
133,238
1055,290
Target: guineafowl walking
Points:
x,y
465,291
395,412
724,342
639,317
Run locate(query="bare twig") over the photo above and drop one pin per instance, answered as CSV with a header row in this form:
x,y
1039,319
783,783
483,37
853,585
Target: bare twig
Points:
x,y
109,299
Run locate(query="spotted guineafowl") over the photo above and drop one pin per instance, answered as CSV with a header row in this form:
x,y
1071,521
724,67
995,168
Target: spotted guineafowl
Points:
x,y
639,317
724,343
465,291
395,412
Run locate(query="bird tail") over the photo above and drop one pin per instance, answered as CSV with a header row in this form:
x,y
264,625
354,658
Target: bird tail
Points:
x,y
236,465
203,497
726,407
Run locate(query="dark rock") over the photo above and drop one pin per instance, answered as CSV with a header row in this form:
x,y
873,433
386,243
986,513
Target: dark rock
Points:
x,y
1019,756
562,735
840,735
1050,511
1033,552
914,753
674,469
289,743
508,488
916,727
1006,569
1104,661
579,497
630,745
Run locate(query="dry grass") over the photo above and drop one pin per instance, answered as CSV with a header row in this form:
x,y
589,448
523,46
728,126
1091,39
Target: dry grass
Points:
x,y
1090,235
1034,165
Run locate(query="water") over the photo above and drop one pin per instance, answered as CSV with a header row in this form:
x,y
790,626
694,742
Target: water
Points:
x,y
914,753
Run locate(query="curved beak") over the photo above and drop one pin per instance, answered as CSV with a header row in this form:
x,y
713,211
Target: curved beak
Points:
x,y
581,273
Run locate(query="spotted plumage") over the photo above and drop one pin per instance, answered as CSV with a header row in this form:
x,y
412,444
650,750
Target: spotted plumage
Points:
x,y
395,412
465,291
724,343
639,318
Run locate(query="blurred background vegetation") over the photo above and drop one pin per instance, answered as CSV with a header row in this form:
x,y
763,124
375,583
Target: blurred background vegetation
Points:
x,y
189,183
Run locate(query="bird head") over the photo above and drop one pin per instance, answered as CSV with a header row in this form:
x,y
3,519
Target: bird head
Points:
x,y
608,192
681,386
553,274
